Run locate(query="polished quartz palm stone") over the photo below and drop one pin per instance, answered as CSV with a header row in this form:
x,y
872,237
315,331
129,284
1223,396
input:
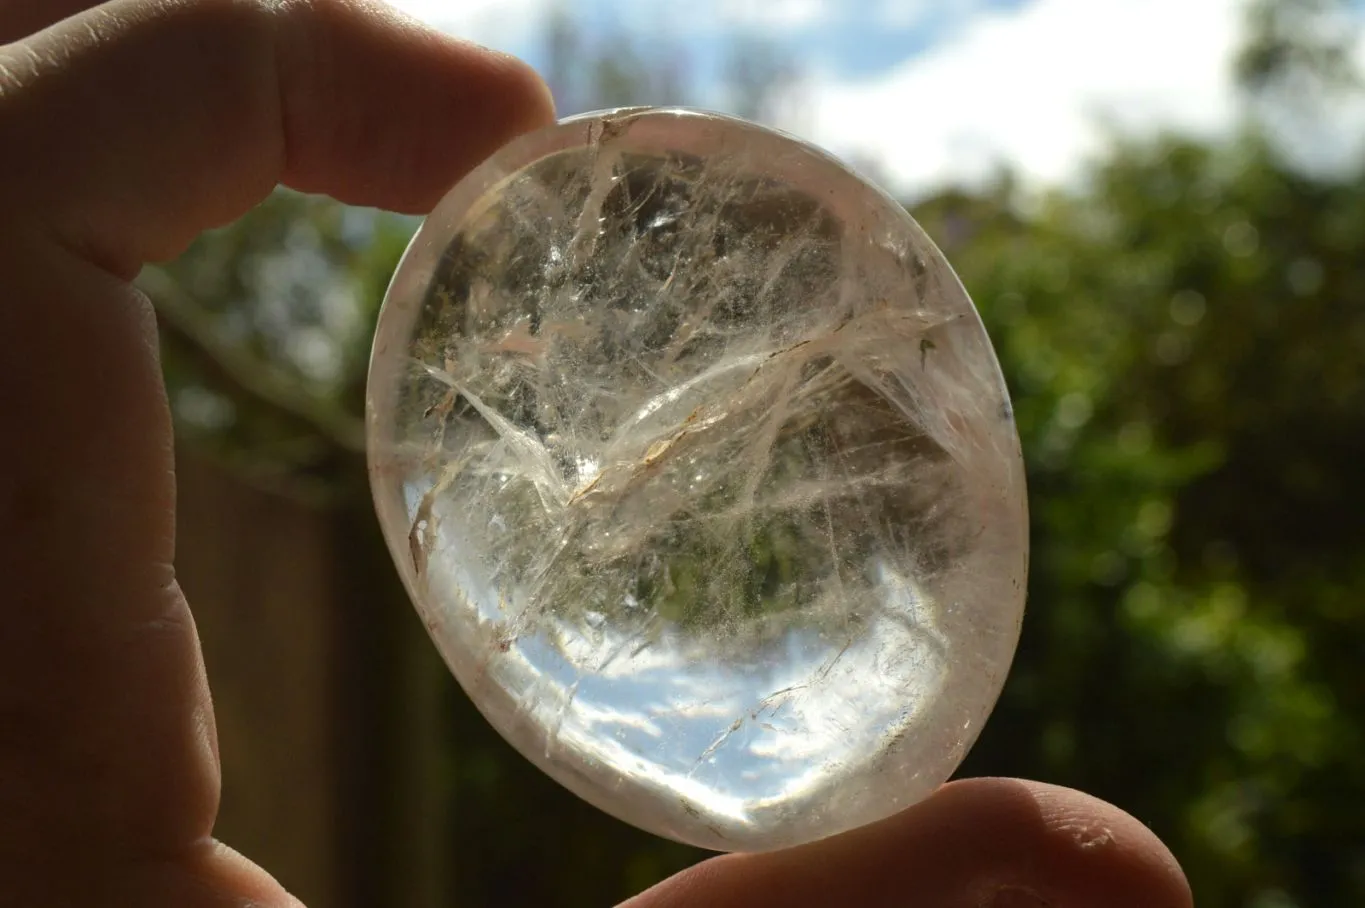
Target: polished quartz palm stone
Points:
x,y
697,462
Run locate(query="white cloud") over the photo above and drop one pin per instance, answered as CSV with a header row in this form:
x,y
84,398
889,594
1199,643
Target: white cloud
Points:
x,y
506,24
1033,87
780,14
906,14
502,24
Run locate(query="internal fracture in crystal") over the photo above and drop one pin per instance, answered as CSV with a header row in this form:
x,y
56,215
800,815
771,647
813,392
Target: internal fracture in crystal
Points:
x,y
696,460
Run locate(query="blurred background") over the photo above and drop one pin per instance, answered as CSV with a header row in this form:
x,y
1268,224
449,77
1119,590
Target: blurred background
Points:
x,y
1159,207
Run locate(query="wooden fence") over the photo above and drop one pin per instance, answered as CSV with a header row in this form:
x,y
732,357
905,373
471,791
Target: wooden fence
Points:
x,y
327,695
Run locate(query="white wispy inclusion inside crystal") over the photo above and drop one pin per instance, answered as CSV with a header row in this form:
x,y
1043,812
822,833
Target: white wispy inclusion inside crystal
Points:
x,y
709,489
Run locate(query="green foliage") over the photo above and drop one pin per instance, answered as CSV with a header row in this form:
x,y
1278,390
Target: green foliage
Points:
x,y
1186,346
266,328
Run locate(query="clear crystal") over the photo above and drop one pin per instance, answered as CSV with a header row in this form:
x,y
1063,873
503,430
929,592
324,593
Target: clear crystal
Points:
x,y
697,462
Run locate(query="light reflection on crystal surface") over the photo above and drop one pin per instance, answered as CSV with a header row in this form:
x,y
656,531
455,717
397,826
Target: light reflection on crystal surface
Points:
x,y
696,461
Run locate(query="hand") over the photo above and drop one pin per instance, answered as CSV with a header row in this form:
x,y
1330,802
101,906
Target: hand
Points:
x,y
125,130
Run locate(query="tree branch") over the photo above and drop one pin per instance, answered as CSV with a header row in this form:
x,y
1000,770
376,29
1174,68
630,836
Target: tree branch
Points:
x,y
181,318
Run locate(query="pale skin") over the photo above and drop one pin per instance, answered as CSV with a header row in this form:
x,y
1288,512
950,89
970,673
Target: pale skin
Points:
x,y
126,129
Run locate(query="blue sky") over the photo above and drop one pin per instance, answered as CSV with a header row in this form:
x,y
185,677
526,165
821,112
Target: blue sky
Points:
x,y
930,92
850,38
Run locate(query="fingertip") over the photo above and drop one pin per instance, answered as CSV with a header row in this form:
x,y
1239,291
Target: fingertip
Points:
x,y
538,106
978,843
1101,847
1067,847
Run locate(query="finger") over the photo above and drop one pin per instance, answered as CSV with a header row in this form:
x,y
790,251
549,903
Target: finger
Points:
x,y
980,843
218,100
123,131
21,18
